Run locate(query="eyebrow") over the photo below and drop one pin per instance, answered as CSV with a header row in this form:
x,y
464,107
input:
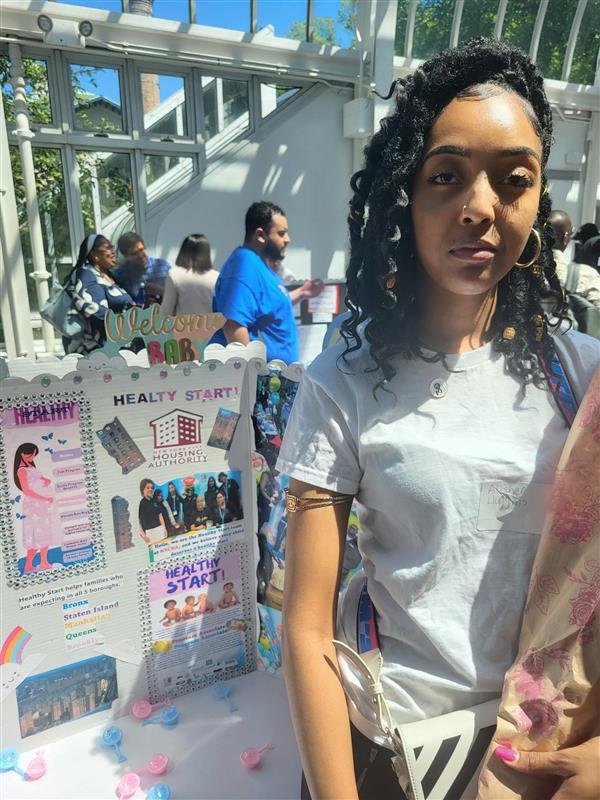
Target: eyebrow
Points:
x,y
454,150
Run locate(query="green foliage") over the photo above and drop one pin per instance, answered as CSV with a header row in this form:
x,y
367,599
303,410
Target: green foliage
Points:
x,y
434,22
323,31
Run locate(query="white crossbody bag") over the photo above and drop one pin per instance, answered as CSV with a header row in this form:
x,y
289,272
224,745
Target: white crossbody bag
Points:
x,y
434,759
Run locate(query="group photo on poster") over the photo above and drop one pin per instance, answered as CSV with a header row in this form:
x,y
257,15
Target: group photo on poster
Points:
x,y
196,502
198,617
48,499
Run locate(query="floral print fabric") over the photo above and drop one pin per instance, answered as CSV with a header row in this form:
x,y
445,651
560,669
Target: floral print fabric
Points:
x,y
550,694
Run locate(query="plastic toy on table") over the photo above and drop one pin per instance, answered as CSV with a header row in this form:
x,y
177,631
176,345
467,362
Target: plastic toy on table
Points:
x,y
130,782
112,738
251,757
169,717
142,709
160,791
9,759
222,691
37,767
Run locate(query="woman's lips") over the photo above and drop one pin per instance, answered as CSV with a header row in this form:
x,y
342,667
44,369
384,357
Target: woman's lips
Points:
x,y
473,254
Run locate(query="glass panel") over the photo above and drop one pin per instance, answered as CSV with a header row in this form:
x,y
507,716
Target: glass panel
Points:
x,y
478,19
225,107
401,22
96,97
586,49
555,33
234,14
287,19
519,22
52,201
432,27
36,89
163,103
179,10
164,172
106,192
104,5
272,96
343,15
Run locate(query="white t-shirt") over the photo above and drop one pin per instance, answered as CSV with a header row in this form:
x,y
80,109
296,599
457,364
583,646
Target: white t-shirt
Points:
x,y
451,494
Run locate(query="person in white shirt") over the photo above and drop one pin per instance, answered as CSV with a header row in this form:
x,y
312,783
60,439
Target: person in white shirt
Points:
x,y
588,284
433,409
190,284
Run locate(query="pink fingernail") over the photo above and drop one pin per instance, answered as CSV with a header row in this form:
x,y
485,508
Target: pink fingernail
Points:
x,y
506,753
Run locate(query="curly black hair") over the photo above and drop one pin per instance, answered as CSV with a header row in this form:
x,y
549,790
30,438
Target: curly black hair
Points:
x,y
381,236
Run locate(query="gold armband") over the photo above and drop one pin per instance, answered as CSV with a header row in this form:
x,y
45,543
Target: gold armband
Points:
x,y
293,503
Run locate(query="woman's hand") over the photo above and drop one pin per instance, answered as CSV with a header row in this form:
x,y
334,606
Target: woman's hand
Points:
x,y
578,766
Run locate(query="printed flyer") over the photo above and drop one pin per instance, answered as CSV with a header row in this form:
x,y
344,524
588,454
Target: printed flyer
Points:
x,y
201,620
49,508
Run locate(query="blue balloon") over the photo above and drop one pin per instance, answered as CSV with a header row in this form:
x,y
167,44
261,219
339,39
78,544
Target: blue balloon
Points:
x,y
275,398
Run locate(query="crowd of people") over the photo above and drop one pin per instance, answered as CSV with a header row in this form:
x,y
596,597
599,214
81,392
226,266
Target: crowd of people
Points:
x,y
250,289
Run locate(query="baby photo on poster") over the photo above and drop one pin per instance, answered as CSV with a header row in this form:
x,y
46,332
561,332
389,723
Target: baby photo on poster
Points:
x,y
48,500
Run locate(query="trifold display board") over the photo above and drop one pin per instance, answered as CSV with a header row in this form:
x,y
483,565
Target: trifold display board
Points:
x,y
129,551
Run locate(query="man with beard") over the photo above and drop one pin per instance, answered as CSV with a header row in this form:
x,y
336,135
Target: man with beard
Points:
x,y
251,296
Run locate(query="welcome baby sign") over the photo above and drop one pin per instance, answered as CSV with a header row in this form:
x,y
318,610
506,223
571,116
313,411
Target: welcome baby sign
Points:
x,y
168,339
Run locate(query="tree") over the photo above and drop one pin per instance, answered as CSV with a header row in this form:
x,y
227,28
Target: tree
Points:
x,y
434,21
323,28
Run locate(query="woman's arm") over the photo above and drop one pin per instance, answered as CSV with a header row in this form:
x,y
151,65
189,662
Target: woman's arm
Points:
x,y
314,556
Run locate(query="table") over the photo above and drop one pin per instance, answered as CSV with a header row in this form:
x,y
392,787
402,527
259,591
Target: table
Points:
x,y
204,751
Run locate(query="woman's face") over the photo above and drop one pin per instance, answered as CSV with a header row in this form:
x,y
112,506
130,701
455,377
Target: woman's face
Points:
x,y
476,194
171,488
212,484
199,503
27,458
104,257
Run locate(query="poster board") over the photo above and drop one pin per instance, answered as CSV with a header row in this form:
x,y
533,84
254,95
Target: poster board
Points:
x,y
111,592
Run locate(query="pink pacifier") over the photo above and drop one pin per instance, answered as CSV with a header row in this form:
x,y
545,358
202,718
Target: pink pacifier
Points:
x,y
130,782
142,709
251,757
37,767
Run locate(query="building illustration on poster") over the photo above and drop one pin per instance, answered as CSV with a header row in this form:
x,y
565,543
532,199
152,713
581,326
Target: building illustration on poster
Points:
x,y
119,444
177,428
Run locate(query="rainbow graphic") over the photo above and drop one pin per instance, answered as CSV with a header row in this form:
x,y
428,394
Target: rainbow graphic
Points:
x,y
14,644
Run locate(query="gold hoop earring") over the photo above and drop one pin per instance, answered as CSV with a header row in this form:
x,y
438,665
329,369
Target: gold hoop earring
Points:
x,y
538,250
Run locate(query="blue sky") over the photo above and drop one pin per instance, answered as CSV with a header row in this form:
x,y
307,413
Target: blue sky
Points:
x,y
233,14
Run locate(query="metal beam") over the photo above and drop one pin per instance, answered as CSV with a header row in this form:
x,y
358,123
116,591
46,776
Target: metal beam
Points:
x,y
24,136
500,14
253,16
537,30
192,11
572,40
410,28
124,6
158,39
309,20
14,301
455,30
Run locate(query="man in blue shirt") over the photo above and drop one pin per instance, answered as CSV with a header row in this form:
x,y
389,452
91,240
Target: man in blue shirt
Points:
x,y
142,277
251,296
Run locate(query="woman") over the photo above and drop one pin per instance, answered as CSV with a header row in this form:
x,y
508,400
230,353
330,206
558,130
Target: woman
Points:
x,y
165,509
189,507
41,528
435,415
94,292
175,503
190,284
210,495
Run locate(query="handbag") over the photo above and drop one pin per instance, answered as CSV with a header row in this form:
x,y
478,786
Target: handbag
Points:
x,y
60,311
438,758
586,314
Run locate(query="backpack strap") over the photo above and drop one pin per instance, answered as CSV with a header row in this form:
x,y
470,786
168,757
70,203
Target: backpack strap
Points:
x,y
560,386
572,277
